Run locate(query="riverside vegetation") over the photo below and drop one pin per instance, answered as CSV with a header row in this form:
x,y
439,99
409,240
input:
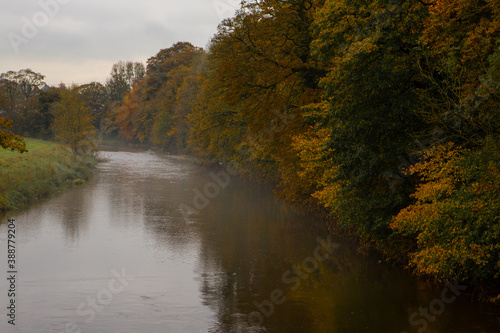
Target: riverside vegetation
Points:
x,y
44,169
382,114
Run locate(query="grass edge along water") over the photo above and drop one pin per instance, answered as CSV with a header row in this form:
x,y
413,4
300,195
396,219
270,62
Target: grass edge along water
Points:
x,y
46,168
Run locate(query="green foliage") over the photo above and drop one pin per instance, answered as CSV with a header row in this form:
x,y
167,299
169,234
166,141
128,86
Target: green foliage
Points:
x,y
369,49
40,119
96,98
122,76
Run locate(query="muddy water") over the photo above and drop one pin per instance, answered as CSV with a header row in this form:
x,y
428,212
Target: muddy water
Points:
x,y
154,243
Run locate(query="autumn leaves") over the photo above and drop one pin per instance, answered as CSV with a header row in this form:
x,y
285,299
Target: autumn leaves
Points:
x,y
348,88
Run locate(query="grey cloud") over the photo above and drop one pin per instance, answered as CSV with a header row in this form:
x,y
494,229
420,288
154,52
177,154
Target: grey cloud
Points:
x,y
104,31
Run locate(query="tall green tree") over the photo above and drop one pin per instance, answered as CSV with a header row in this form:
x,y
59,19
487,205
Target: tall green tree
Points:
x,y
122,76
369,48
40,119
21,89
96,98
28,81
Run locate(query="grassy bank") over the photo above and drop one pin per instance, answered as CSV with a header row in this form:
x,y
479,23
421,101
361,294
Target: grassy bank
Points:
x,y
46,168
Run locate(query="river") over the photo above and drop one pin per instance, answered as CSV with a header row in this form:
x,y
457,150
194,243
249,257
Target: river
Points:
x,y
156,243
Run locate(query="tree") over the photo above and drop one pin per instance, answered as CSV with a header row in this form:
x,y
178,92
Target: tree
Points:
x,y
159,67
133,116
155,110
460,61
28,81
455,216
40,118
96,98
21,89
263,70
216,129
10,93
369,49
10,140
122,76
73,121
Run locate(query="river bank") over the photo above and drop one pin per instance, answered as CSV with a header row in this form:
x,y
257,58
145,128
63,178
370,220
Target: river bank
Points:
x,y
46,168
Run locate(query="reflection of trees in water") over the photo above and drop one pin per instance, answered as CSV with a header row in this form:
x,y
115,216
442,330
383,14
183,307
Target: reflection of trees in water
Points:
x,y
248,241
151,189
74,210
239,255
71,212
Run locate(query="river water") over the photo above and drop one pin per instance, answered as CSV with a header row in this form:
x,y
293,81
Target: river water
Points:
x,y
155,243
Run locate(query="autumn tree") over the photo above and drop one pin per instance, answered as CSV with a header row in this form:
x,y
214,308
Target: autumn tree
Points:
x,y
10,95
455,216
155,110
265,73
9,140
460,61
73,121
133,116
177,96
218,131
159,66
369,49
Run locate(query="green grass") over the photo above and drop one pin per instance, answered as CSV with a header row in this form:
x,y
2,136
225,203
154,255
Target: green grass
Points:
x,y
44,169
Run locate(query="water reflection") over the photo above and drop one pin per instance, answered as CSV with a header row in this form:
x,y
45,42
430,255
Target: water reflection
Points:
x,y
218,271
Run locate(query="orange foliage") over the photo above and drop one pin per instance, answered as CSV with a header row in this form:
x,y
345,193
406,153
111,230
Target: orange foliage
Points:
x,y
8,140
455,218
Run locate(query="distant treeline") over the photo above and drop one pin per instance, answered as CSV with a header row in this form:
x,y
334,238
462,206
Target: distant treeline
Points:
x,y
384,114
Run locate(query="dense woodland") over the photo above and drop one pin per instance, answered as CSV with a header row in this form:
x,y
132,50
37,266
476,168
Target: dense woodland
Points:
x,y
382,114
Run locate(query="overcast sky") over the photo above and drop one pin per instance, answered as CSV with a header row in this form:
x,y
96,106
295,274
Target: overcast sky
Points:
x,y
77,41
